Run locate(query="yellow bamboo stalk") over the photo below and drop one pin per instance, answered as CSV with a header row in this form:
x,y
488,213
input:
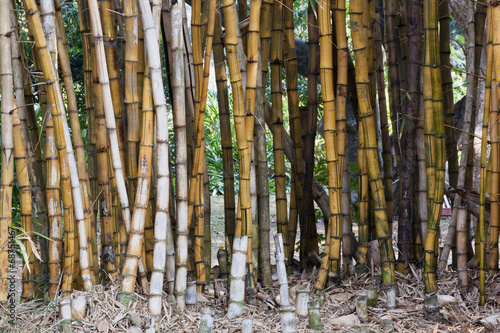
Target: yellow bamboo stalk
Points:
x,y
63,140
239,122
131,100
21,163
370,139
132,261
334,183
62,49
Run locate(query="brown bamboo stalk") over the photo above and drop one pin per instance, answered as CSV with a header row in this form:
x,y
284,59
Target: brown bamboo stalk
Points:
x,y
290,57
308,235
277,108
225,131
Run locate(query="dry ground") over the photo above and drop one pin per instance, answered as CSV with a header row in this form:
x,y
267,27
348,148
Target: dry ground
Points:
x,y
105,314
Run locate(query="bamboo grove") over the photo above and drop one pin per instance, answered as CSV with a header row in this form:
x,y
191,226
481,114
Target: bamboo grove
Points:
x,y
115,188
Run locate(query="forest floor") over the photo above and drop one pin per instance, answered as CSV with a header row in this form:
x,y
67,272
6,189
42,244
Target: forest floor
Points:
x,y
460,310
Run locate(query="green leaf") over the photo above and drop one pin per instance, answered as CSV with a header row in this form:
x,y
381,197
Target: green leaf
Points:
x,y
23,251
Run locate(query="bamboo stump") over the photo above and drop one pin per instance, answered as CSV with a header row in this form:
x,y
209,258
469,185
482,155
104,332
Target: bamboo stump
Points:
x,y
288,320
237,278
247,325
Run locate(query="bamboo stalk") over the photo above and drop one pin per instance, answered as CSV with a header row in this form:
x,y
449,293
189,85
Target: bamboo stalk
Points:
x,y
288,319
131,97
62,48
62,138
102,73
34,168
277,108
178,89
239,123
369,128
21,163
137,227
290,61
309,237
92,163
435,152
444,52
237,278
108,262
163,238
334,187
495,177
391,37
225,131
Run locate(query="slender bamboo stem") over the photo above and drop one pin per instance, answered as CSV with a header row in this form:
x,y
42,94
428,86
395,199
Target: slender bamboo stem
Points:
x,y
369,129
21,163
277,107
179,112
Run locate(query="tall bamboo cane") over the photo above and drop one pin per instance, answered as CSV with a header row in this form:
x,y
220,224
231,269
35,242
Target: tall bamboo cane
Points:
x,y
137,227
34,168
54,214
444,51
239,121
163,238
87,77
369,129
334,187
495,171
225,131
290,57
435,154
483,162
250,104
496,67
62,137
308,233
111,124
109,41
71,278
465,151
102,73
62,48
391,37
131,100
21,162
407,235
277,107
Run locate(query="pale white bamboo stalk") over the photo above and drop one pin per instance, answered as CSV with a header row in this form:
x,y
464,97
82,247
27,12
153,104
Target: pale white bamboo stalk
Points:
x,y
288,319
163,178
102,73
179,112
237,278
163,227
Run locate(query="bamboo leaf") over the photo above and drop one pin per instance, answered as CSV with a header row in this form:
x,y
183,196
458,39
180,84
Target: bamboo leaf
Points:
x,y
23,252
